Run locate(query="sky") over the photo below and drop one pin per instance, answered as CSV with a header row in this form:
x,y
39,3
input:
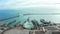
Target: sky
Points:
x,y
17,4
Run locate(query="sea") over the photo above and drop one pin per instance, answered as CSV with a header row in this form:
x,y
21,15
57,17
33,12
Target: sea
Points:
x,y
10,13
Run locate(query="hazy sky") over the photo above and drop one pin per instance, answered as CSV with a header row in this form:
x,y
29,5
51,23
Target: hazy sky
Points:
x,y
17,4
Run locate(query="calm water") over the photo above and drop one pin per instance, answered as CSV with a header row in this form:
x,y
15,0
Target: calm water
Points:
x,y
9,13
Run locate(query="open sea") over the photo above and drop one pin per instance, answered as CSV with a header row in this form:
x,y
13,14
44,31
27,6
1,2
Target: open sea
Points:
x,y
8,13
